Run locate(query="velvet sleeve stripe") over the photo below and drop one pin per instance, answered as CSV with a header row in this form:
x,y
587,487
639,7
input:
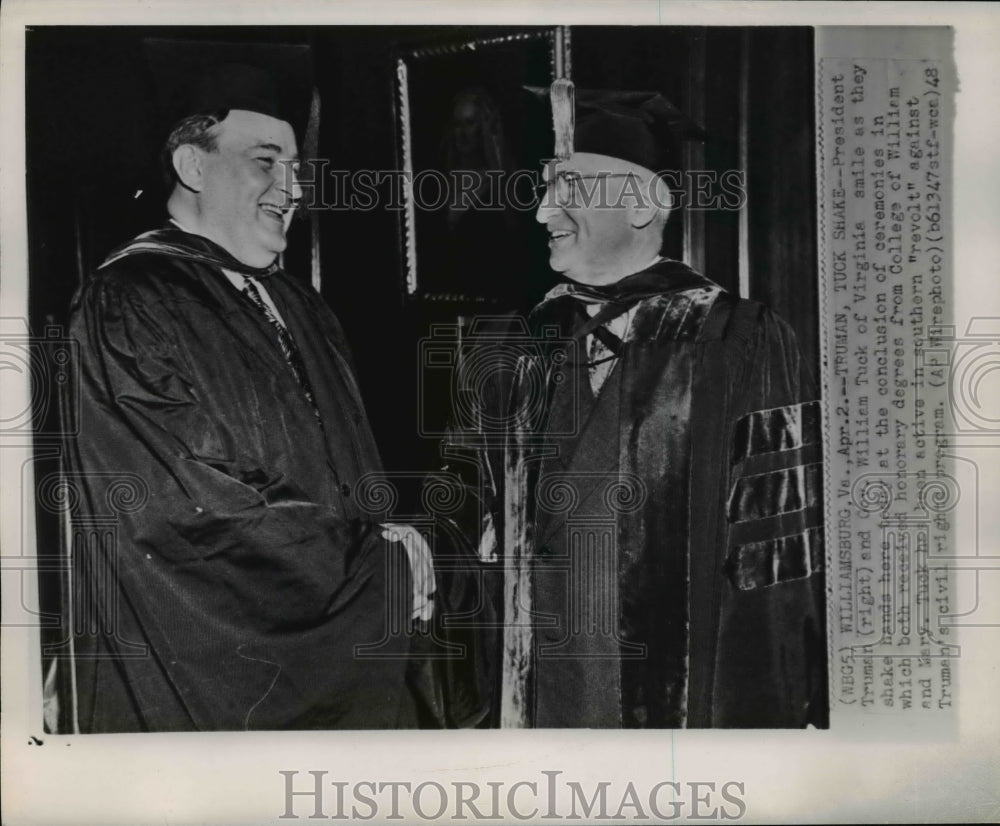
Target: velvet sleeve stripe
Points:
x,y
760,564
777,429
776,492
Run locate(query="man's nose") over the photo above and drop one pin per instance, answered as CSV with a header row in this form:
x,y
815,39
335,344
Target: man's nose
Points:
x,y
289,182
547,207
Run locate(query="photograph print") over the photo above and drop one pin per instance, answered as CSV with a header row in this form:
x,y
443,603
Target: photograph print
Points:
x,y
424,377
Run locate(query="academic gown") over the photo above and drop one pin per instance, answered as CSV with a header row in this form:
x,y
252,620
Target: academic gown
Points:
x,y
661,542
224,575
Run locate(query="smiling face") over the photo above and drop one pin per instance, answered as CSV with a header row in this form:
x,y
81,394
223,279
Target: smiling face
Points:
x,y
595,240
247,189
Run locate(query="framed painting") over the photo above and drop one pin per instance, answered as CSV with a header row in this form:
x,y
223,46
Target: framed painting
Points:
x,y
469,149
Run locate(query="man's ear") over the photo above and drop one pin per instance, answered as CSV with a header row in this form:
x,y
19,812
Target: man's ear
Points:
x,y
641,201
656,201
188,161
643,213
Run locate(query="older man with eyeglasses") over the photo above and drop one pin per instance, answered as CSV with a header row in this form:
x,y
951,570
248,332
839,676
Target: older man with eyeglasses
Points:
x,y
655,501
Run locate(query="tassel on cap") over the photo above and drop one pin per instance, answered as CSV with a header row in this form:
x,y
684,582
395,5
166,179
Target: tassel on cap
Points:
x,y
563,117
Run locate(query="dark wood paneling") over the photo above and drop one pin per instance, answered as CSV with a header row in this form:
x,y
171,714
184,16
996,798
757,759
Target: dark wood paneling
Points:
x,y
782,182
722,112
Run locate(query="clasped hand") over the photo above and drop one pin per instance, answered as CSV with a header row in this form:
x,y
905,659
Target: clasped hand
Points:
x,y
421,566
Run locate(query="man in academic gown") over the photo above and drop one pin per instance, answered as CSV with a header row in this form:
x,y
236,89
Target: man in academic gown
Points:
x,y
652,482
224,574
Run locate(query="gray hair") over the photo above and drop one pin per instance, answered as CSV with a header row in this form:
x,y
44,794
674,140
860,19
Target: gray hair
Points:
x,y
196,130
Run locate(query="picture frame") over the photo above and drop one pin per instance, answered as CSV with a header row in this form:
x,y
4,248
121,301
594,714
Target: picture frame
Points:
x,y
468,150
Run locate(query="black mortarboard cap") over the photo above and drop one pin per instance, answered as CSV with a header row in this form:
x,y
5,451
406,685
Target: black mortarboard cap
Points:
x,y
640,127
195,77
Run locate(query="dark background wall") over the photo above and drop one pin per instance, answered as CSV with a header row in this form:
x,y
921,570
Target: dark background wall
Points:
x,y
93,130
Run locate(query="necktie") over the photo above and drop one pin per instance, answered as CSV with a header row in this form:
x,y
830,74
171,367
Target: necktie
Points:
x,y
285,341
601,360
604,345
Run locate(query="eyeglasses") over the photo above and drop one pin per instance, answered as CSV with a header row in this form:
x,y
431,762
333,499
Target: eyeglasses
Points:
x,y
567,187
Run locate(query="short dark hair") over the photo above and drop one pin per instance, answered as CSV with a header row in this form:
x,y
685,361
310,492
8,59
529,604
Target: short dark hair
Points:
x,y
196,130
